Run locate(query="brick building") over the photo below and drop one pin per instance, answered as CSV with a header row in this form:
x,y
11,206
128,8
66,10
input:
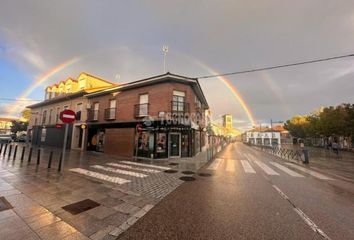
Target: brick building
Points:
x,y
170,109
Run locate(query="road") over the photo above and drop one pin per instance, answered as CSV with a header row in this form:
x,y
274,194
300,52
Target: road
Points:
x,y
252,195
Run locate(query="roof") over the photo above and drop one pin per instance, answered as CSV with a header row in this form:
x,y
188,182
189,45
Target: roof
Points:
x,y
154,80
7,119
99,78
57,99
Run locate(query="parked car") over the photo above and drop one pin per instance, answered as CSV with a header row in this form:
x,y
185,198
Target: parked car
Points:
x,y
5,138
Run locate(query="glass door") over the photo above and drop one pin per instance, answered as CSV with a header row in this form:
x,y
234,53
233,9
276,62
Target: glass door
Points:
x,y
175,145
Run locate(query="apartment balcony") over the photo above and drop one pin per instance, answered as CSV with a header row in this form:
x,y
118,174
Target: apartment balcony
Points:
x,y
141,110
110,113
92,115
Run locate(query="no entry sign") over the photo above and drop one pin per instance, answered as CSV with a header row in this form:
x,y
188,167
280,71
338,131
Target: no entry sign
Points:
x,y
67,116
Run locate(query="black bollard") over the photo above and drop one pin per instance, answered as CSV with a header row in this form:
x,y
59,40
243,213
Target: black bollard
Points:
x,y
50,159
1,147
23,153
60,159
30,155
38,155
15,152
306,156
4,153
10,150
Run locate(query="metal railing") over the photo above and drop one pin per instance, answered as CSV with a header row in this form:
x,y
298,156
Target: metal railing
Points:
x,y
92,115
141,110
284,153
110,113
179,107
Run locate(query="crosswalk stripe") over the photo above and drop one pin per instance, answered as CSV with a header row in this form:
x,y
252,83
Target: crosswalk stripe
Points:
x,y
313,173
265,168
115,170
100,176
133,168
287,170
214,165
230,165
247,167
146,165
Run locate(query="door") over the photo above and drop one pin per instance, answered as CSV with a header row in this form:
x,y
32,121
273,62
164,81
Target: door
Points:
x,y
175,145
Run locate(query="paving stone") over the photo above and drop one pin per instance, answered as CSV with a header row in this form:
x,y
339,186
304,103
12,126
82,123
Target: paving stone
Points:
x,y
115,219
116,231
101,212
110,202
57,230
132,220
101,233
38,221
86,224
127,208
76,236
6,214
10,192
28,211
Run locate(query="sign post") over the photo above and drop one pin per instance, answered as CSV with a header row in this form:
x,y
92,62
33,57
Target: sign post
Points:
x,y
67,116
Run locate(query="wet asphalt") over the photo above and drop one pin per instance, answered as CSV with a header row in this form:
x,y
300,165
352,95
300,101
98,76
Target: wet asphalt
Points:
x,y
233,204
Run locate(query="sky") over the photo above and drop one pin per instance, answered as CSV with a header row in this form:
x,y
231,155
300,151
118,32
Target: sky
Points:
x,y
109,38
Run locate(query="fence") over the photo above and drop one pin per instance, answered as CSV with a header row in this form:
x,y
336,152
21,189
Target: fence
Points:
x,y
213,150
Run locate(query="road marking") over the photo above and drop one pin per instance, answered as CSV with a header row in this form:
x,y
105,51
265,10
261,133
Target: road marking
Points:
x,y
265,168
115,170
313,173
214,165
304,217
100,176
146,165
287,170
133,168
230,165
247,167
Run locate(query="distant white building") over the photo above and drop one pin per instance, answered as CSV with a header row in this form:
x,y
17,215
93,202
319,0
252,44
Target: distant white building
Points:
x,y
263,138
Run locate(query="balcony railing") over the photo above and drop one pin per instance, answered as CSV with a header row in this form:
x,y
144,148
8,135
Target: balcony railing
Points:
x,y
179,107
92,115
141,110
110,113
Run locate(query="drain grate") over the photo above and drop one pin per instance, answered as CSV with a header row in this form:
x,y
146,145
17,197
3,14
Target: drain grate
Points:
x,y
82,206
188,172
173,164
204,174
187,178
4,204
170,171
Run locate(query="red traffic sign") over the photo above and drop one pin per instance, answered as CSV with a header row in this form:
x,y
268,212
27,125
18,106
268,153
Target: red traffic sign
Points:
x,y
139,128
59,126
67,116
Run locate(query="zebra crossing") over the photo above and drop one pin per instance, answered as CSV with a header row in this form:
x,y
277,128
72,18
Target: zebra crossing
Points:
x,y
126,171
272,168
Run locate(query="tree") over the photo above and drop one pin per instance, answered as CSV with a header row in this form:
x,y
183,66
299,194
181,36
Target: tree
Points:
x,y
297,126
18,126
26,114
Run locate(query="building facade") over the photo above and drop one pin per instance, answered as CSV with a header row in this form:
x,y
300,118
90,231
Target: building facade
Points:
x,y
168,110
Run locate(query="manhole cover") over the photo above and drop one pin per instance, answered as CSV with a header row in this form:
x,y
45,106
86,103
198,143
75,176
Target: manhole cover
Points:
x,y
187,178
170,171
173,164
204,174
4,204
188,172
81,206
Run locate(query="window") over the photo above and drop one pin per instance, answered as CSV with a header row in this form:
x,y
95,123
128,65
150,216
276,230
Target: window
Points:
x,y
95,111
44,117
68,88
82,83
112,109
47,95
61,89
57,114
143,104
50,116
78,111
66,107
178,101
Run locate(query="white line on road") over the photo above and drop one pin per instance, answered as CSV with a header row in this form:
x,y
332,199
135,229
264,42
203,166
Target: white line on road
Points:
x,y
214,165
146,165
313,173
115,170
247,167
100,176
265,168
287,170
230,165
133,168
304,217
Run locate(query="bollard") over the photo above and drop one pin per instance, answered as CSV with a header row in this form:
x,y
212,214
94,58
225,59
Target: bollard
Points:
x,y
15,152
60,159
1,147
50,159
10,150
306,156
30,155
38,155
4,153
23,153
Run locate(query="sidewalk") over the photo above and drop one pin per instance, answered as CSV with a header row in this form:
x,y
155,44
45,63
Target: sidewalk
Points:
x,y
124,192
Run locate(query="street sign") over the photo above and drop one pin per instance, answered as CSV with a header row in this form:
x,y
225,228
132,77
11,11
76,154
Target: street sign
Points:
x,y
67,116
59,126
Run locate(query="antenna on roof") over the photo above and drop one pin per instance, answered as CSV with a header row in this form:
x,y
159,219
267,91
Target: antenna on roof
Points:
x,y
117,77
165,51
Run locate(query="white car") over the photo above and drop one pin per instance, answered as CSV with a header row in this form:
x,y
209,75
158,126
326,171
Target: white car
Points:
x,y
5,138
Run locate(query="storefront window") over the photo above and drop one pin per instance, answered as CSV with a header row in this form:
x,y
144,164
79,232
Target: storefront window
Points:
x,y
146,144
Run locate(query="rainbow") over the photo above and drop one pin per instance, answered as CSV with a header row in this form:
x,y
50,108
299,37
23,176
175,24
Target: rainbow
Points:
x,y
234,92
15,107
